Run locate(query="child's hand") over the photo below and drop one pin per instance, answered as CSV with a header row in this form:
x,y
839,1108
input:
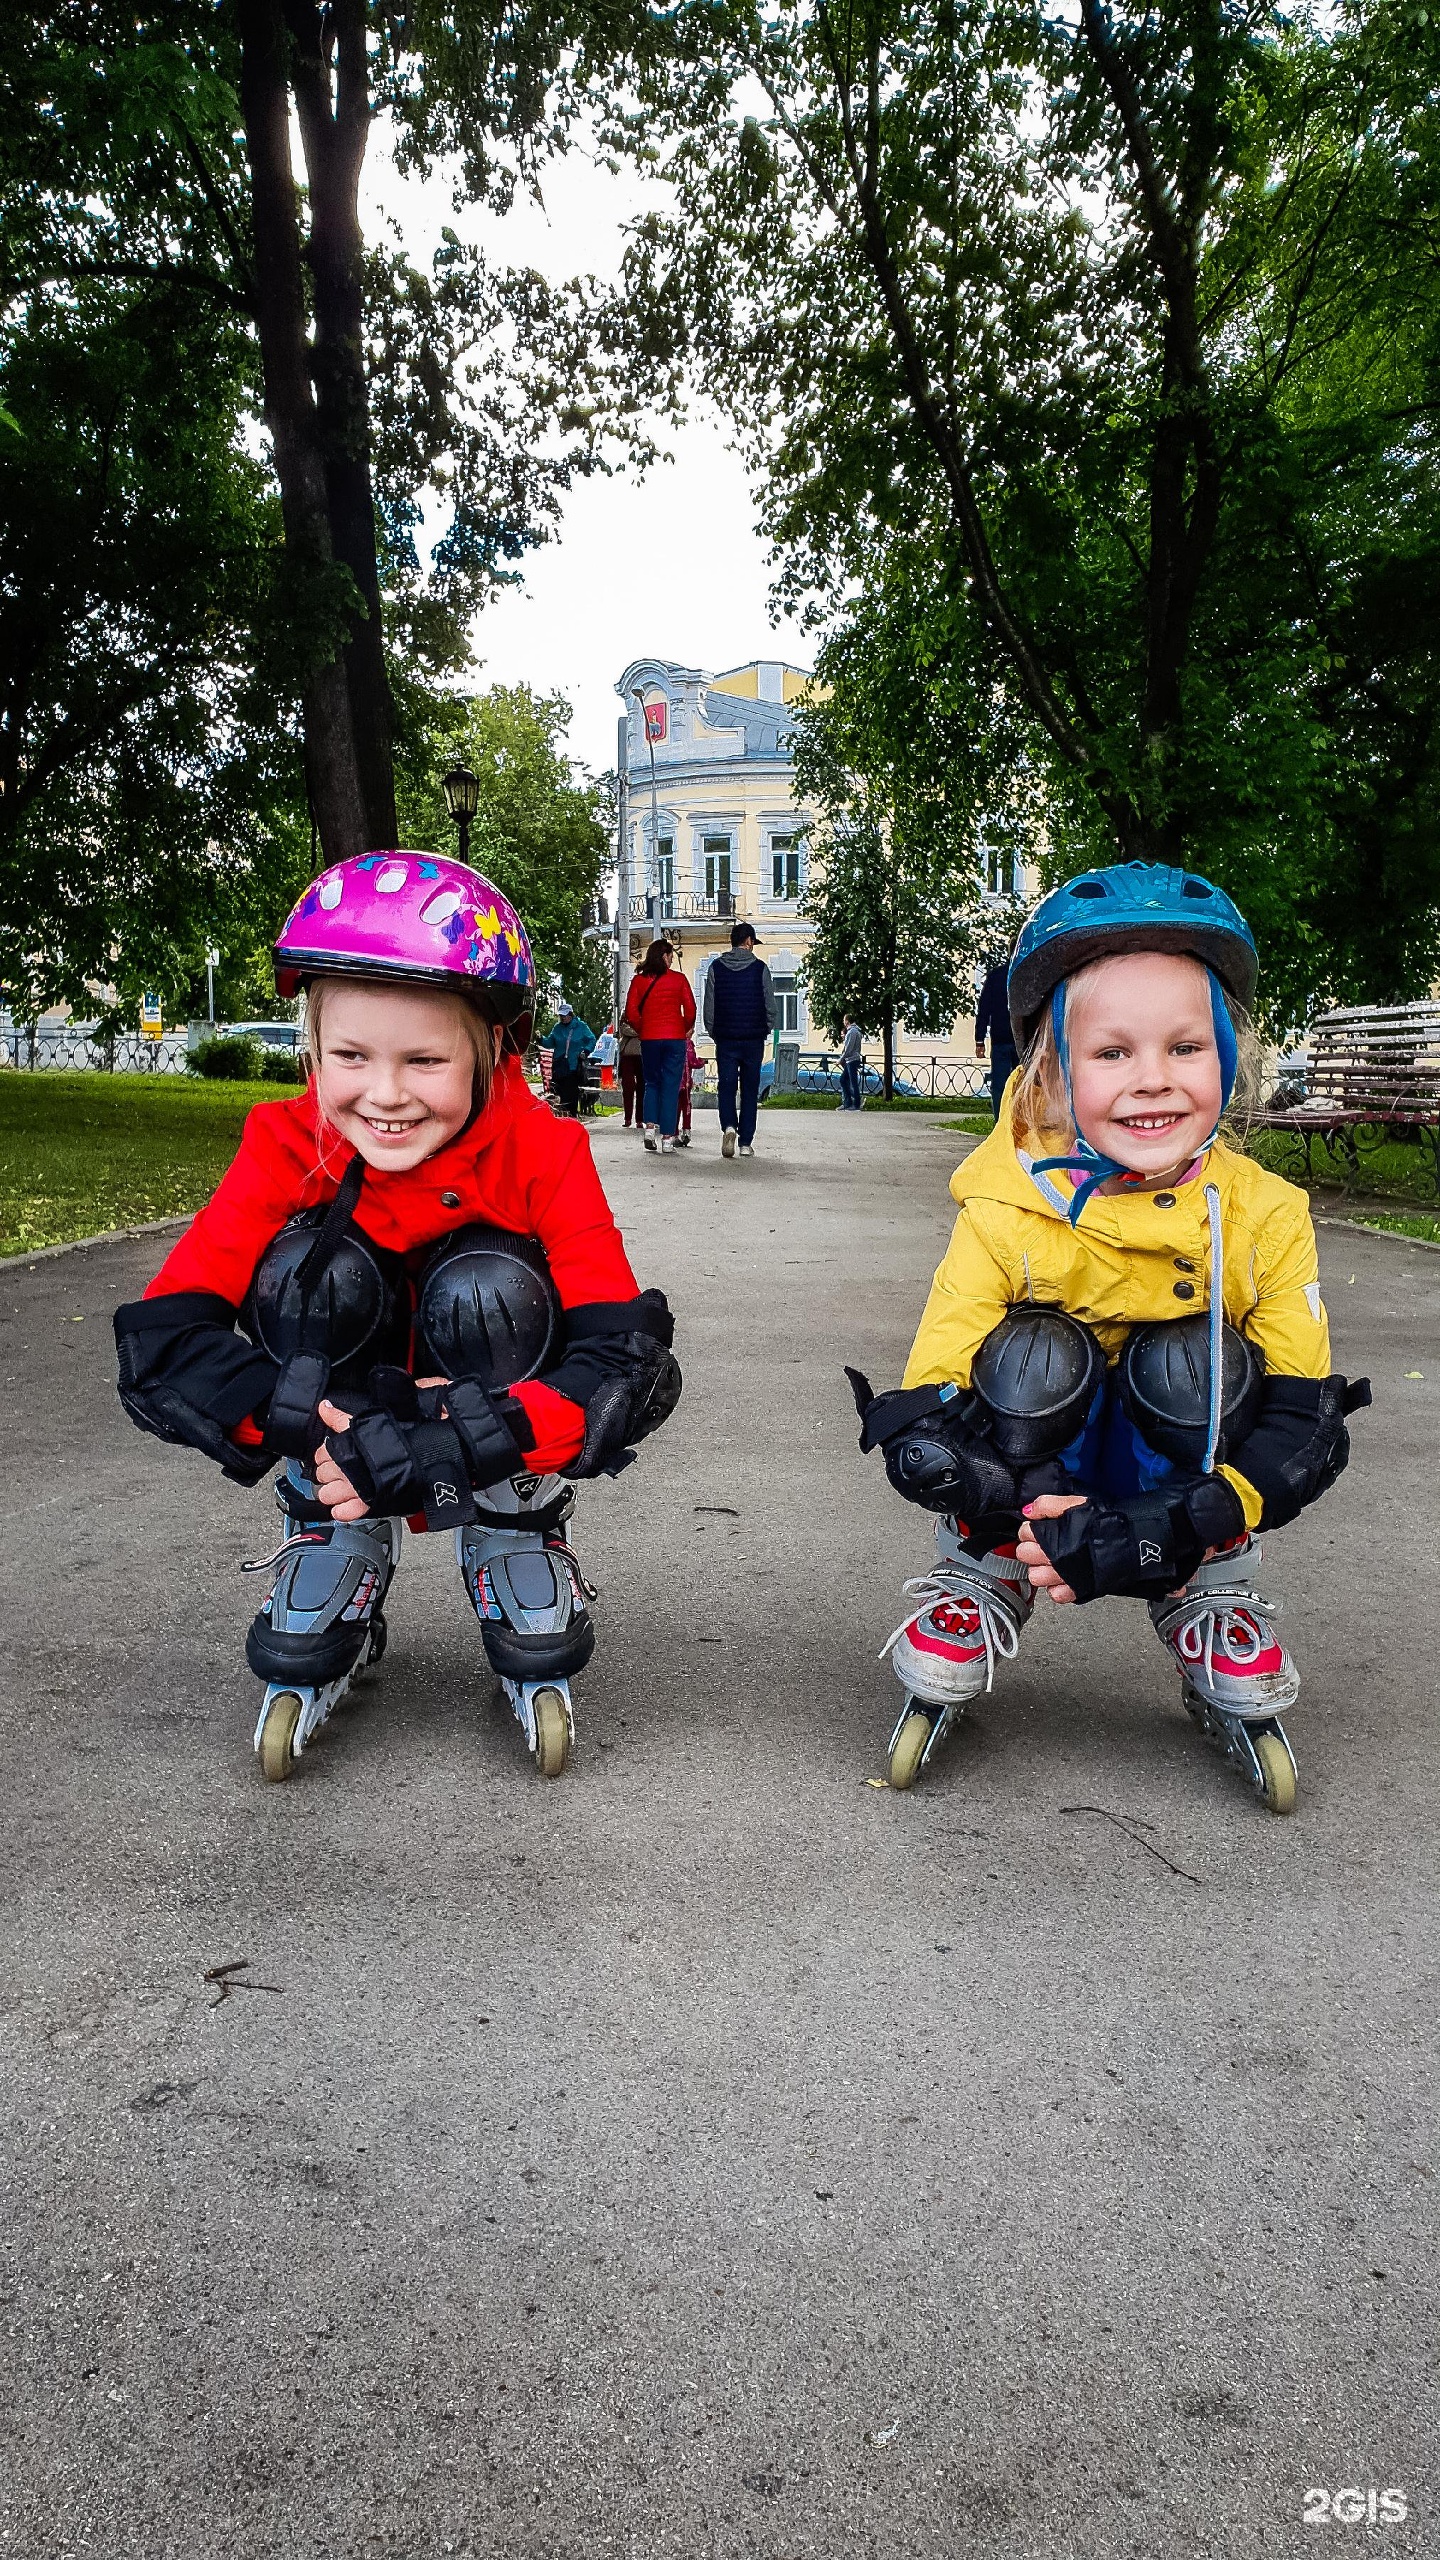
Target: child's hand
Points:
x,y
1028,1550
331,1482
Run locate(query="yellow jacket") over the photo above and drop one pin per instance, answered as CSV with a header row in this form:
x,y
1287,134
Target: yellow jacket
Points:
x,y
1136,1258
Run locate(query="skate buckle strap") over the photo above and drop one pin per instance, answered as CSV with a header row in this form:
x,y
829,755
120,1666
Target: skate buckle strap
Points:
x,y
304,1538
999,1631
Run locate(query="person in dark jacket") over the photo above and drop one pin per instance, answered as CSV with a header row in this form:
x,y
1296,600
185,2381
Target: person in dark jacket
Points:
x,y
569,1044
739,1016
992,1022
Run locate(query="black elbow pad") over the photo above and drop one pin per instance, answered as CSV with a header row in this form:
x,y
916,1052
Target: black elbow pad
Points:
x,y
934,1456
1299,1444
186,1376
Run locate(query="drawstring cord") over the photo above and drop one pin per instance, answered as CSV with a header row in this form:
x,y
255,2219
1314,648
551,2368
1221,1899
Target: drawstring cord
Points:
x,y
1217,1324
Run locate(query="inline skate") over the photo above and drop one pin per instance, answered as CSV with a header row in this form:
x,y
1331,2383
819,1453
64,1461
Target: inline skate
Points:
x,y
322,1621
971,1612
529,1594
1235,1674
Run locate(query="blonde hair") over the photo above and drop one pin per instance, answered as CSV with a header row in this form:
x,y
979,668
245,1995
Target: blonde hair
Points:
x,y
474,1015
1041,1119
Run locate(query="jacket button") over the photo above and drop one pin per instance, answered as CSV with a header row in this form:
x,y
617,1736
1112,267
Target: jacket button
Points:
x,y
1164,1199
1181,1264
449,1199
1184,1289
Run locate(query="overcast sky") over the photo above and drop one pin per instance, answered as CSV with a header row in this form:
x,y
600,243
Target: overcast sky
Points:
x,y
669,565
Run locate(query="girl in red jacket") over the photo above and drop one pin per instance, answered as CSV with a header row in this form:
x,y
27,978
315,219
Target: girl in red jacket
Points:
x,y
661,1008
409,1287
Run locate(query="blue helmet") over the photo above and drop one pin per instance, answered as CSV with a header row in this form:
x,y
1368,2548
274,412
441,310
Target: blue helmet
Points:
x,y
1132,906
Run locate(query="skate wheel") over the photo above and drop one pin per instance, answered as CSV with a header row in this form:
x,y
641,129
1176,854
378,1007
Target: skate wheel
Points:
x,y
1277,1769
908,1749
552,1733
277,1737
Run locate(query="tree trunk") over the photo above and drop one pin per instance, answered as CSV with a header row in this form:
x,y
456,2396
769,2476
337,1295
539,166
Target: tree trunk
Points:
x,y
887,1037
332,763
334,117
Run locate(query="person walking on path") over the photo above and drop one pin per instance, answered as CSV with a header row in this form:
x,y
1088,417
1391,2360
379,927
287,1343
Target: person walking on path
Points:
x,y
992,1022
569,1044
662,1009
693,1062
739,1016
632,1074
851,1065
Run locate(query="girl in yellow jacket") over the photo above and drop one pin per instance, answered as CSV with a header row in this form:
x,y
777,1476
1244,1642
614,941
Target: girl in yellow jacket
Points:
x,y
1123,1370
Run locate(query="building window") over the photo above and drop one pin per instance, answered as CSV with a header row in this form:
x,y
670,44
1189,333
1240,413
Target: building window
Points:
x,y
784,867
718,851
1002,872
665,870
787,1004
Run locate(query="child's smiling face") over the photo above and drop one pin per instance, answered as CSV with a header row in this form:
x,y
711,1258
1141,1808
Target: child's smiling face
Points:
x,y
1144,1068
396,1070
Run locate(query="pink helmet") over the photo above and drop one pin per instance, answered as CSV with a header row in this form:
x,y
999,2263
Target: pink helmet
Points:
x,y
413,916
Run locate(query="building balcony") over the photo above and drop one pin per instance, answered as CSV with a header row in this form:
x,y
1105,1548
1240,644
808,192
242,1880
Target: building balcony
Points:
x,y
681,906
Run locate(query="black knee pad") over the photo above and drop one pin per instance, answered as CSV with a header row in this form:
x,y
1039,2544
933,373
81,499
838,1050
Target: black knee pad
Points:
x,y
357,1312
1037,1376
1164,1379
488,1309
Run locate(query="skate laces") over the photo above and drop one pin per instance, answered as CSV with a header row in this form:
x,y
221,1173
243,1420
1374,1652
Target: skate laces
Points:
x,y
997,1629
287,1547
1239,1621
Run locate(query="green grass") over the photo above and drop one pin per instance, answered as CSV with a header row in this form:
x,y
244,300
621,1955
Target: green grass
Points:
x,y
939,1102
1426,1229
80,1154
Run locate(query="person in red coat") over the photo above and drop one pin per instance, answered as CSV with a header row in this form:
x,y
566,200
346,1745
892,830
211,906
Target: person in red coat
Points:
x,y
409,1286
661,1007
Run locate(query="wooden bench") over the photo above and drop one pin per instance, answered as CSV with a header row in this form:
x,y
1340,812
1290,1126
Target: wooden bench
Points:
x,y
1372,1067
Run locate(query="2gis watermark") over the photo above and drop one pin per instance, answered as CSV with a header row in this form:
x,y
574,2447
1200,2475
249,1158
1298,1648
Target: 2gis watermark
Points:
x,y
1356,2506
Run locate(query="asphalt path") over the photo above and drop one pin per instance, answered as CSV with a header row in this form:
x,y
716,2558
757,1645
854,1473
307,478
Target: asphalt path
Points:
x,y
712,2152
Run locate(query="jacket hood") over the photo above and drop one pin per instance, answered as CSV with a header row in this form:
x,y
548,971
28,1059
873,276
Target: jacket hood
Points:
x,y
739,958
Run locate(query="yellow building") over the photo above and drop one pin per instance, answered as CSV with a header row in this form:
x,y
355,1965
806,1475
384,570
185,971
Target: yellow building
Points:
x,y
715,833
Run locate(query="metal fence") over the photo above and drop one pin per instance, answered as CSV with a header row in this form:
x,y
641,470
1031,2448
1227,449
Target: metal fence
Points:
x,y
933,1078
41,1047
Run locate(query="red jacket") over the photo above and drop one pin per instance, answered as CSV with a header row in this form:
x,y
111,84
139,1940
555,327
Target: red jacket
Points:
x,y
516,1166
661,1008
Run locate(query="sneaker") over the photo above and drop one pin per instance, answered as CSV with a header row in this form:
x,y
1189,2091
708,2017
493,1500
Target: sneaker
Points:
x,y
972,1613
747,1151
667,1146
727,1145
652,1140
684,1138
1220,1633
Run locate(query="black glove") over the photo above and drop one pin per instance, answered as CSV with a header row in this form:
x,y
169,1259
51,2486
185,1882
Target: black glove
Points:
x,y
934,1454
402,1454
186,1376
291,1419
1148,1544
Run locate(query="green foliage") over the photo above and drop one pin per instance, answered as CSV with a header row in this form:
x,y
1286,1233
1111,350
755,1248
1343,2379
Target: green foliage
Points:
x,y
232,1058
1102,350
539,834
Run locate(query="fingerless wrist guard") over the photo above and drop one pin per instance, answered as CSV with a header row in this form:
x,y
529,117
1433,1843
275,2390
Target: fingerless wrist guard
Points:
x,y
1148,1544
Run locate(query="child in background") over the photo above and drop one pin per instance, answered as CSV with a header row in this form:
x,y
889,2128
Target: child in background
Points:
x,y
409,1289
1123,1371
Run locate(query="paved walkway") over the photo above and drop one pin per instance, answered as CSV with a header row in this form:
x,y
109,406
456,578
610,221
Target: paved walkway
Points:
x,y
711,2153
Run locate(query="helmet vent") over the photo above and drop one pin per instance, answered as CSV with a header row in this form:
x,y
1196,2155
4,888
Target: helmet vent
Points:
x,y
439,909
1087,889
1197,889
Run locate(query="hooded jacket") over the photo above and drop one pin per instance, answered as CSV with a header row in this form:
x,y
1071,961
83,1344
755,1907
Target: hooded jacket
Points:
x,y
516,1166
1136,1258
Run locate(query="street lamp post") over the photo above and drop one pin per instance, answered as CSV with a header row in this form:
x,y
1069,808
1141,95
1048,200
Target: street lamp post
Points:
x,y
462,798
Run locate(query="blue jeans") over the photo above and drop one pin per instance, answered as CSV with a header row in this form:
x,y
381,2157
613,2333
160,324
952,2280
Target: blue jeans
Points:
x,y
664,1062
1003,1063
850,1075
739,1061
